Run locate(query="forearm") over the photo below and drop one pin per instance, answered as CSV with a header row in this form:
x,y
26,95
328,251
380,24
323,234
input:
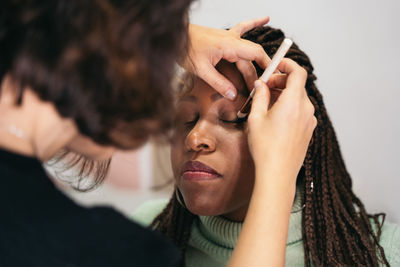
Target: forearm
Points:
x,y
262,241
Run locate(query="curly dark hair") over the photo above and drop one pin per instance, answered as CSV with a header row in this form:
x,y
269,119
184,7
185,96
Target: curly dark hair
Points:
x,y
107,64
337,230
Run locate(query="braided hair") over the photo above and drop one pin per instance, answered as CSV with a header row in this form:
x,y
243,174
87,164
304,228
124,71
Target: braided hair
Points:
x,y
336,228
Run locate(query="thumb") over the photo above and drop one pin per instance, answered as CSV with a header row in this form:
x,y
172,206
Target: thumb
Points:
x,y
261,99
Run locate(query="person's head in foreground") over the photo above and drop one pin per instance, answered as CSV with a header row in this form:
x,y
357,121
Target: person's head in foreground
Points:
x,y
214,172
82,71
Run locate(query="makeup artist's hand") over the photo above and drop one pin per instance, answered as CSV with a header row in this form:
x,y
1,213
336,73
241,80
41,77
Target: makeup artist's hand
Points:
x,y
278,139
208,46
280,136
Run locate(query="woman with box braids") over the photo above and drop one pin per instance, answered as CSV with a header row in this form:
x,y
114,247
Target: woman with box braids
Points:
x,y
336,228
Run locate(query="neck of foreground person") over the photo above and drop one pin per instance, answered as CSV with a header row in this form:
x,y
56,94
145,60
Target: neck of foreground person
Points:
x,y
32,128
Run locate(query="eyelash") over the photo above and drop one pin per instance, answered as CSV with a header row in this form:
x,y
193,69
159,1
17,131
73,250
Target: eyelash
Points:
x,y
236,121
192,121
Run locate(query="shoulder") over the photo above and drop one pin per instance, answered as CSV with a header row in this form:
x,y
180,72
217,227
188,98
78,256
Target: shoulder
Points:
x,y
122,238
146,213
390,241
80,236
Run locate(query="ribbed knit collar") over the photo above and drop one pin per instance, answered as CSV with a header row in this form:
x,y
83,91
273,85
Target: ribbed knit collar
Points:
x,y
217,236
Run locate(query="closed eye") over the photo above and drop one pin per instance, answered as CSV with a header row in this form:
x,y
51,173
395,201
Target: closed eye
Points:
x,y
235,121
191,122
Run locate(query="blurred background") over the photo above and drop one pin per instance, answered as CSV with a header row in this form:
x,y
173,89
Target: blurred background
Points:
x,y
355,49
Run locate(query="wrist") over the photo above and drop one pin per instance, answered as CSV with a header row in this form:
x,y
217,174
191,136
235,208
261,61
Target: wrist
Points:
x,y
275,179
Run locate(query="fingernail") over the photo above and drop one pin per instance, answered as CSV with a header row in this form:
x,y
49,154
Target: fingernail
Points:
x,y
230,95
257,84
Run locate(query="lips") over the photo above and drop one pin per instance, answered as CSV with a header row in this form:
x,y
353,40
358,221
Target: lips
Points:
x,y
195,170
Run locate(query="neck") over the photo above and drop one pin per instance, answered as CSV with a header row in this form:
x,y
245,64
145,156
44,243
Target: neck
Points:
x,y
13,143
33,128
237,215
38,146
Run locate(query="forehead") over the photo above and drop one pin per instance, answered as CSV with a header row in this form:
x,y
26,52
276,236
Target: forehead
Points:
x,y
196,86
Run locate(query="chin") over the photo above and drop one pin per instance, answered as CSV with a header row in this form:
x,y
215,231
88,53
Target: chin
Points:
x,y
204,208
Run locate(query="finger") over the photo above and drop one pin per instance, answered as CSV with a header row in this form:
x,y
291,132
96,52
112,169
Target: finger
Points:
x,y
216,80
247,50
261,99
248,72
245,26
297,75
277,81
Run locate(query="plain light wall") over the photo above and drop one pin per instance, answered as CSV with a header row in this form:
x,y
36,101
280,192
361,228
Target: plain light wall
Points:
x,y
355,49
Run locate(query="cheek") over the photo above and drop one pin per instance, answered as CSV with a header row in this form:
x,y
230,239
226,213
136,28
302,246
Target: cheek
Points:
x,y
247,169
240,167
236,149
246,160
176,157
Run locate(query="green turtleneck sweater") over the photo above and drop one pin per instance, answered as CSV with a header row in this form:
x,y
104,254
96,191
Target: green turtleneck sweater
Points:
x,y
213,238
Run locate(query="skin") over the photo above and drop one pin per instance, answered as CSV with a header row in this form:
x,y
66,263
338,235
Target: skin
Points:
x,y
45,131
209,46
286,121
205,132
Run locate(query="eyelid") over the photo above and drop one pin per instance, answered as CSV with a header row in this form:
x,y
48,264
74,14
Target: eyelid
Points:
x,y
237,120
186,114
228,116
196,118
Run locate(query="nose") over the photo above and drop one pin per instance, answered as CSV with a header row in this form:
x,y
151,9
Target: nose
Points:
x,y
200,139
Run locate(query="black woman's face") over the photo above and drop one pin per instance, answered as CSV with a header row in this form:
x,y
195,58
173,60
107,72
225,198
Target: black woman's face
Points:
x,y
210,156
